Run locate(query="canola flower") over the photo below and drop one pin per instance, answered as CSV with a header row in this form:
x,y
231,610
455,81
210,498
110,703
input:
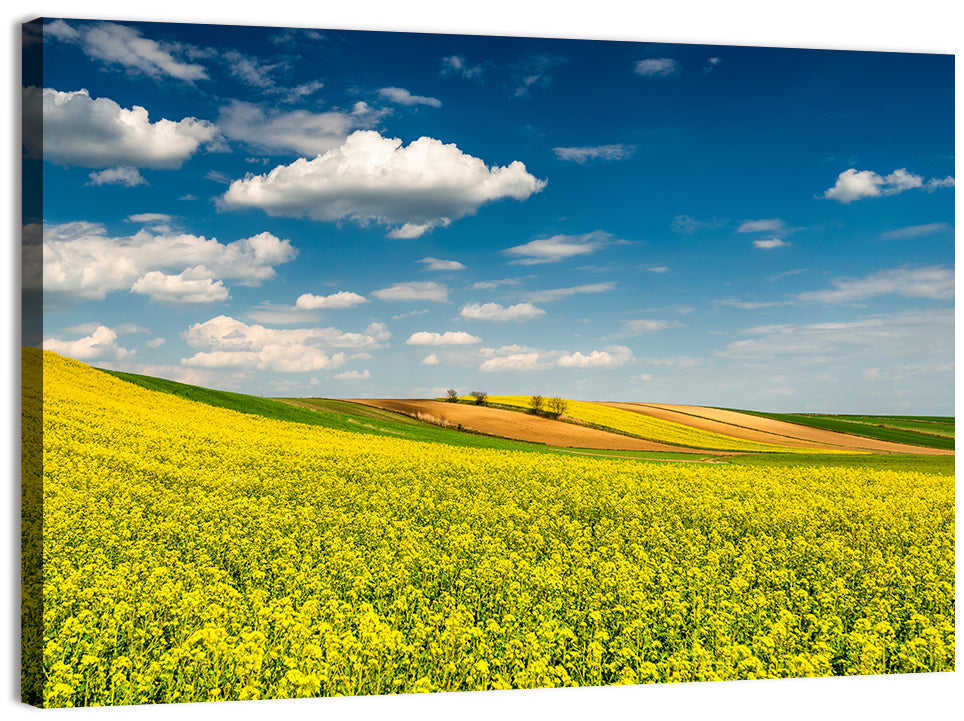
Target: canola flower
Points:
x,y
657,429
192,553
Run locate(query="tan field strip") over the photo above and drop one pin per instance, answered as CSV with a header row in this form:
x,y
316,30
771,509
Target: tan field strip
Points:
x,y
756,428
521,426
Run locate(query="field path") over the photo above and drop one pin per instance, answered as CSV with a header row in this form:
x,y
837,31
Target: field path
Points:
x,y
756,428
522,426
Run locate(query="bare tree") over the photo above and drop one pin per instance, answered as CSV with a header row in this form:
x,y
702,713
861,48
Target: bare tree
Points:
x,y
453,395
557,406
481,397
537,404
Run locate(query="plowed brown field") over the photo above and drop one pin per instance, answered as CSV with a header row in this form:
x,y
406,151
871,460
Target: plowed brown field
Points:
x,y
522,426
755,428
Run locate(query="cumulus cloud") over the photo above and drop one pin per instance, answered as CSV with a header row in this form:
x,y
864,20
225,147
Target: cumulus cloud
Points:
x,y
449,337
854,185
602,152
224,342
414,290
520,358
559,247
373,179
496,312
297,131
82,262
114,44
100,344
439,264
771,243
193,286
353,375
402,97
515,362
97,132
657,67
429,360
612,357
935,282
128,177
342,299
546,296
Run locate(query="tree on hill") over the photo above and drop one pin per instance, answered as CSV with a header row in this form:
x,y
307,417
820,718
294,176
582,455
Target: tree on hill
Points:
x,y
453,395
537,404
481,397
557,406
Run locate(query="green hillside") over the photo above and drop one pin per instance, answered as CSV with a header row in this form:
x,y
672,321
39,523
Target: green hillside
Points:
x,y
925,431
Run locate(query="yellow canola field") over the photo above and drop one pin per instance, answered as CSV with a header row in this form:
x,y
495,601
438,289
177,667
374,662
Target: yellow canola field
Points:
x,y
192,553
656,429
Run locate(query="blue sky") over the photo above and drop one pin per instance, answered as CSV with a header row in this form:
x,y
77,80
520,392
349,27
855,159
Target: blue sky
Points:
x,y
357,214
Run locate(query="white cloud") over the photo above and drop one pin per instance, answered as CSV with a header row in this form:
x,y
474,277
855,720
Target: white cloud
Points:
x,y
603,152
403,97
514,362
297,131
657,67
457,65
99,344
520,358
354,375
917,231
546,296
612,357
429,360
224,342
155,342
150,218
935,282
896,338
489,284
410,314
631,328
559,247
414,290
370,178
854,185
449,337
658,269
439,264
115,44
96,133
126,176
193,286
771,243
342,299
770,225
497,312
81,261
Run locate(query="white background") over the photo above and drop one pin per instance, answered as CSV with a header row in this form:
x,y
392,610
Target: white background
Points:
x,y
920,26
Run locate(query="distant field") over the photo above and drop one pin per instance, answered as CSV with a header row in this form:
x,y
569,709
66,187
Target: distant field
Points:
x,y
656,429
925,431
354,417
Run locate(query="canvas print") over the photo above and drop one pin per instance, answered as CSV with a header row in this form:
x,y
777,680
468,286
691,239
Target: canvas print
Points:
x,y
364,363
